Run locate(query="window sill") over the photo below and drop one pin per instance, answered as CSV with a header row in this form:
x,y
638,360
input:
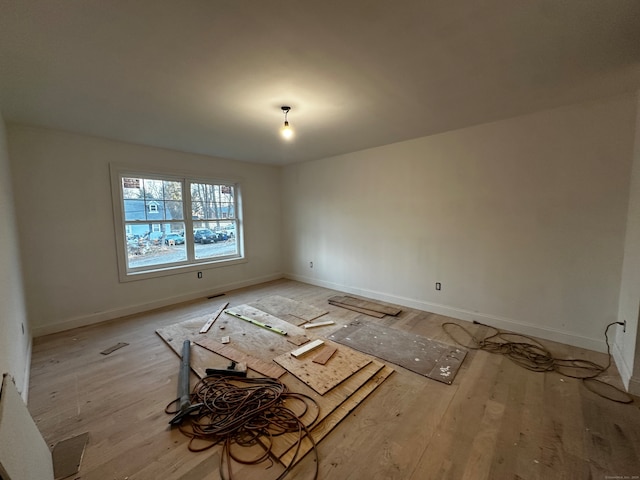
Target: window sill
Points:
x,y
179,270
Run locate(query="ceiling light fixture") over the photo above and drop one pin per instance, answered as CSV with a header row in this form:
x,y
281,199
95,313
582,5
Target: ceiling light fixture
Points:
x,y
286,131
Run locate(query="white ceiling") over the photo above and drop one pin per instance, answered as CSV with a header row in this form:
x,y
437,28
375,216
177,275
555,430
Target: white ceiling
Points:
x,y
209,76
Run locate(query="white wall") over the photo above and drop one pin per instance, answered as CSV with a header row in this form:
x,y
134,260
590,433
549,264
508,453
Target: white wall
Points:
x,y
522,220
15,336
65,219
629,308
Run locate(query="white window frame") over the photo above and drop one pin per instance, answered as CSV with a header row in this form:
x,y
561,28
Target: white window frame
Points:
x,y
191,264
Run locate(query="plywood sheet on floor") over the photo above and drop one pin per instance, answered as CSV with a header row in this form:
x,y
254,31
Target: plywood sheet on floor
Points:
x,y
329,404
334,405
243,336
287,309
435,360
322,378
324,426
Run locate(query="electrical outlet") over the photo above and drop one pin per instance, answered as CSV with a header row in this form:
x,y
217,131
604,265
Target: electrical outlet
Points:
x,y
310,264
438,286
199,274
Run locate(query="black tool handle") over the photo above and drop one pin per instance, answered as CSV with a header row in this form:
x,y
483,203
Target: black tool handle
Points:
x,y
183,378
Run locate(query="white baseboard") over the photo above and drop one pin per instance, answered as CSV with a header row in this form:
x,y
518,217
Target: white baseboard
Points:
x,y
503,323
92,319
623,369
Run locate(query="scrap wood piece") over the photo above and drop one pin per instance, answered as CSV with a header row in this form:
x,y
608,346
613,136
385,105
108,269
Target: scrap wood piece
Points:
x,y
323,378
264,368
114,348
205,328
292,311
318,324
367,305
371,313
307,348
67,455
326,425
323,357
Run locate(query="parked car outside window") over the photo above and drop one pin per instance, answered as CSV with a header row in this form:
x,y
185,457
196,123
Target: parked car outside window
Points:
x,y
204,235
177,239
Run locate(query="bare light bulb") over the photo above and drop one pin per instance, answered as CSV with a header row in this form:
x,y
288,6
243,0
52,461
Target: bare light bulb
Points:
x,y
286,131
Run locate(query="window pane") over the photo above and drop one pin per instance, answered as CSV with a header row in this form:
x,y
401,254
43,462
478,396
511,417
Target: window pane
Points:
x,y
173,210
152,199
134,210
155,244
132,187
215,239
210,201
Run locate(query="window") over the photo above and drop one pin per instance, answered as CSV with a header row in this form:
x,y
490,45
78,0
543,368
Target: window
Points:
x,y
168,223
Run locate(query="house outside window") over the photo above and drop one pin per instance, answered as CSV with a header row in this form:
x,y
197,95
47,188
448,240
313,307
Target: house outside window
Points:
x,y
167,223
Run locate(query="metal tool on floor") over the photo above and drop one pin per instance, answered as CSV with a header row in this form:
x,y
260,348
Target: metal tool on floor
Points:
x,y
233,370
185,407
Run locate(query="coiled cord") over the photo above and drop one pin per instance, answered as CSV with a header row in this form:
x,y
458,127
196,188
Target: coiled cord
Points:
x,y
246,412
532,355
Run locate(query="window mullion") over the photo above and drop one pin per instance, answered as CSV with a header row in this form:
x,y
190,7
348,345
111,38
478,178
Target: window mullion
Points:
x,y
188,220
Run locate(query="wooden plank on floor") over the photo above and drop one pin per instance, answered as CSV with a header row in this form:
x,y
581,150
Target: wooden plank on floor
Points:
x,y
323,378
323,357
371,313
115,347
366,304
205,328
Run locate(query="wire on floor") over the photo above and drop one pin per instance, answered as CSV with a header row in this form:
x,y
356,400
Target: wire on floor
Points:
x,y
247,412
532,355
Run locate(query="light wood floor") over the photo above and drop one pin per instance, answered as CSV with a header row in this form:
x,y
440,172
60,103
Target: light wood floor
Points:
x,y
496,421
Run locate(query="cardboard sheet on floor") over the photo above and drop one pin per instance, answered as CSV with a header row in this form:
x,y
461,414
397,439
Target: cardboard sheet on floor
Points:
x,y
287,309
67,455
430,358
322,378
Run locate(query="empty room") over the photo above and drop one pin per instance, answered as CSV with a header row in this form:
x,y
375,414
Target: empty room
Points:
x,y
319,240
